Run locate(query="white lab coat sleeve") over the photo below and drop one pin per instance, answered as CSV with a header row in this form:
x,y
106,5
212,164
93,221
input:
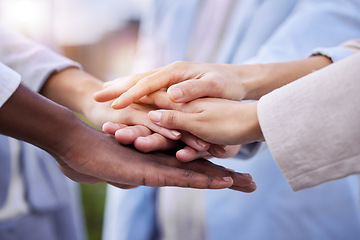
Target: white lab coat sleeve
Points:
x,y
312,125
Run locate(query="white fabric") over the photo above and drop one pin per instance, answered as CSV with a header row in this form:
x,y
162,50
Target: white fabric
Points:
x,y
9,82
34,62
312,126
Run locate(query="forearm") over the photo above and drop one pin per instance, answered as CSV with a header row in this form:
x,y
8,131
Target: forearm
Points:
x,y
28,116
274,75
72,88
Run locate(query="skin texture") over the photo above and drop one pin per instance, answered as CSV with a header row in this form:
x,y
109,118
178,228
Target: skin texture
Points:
x,y
88,155
237,124
133,119
186,81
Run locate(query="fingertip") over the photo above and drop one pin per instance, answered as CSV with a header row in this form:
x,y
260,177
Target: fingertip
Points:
x,y
125,136
155,116
143,144
175,94
99,96
246,189
217,151
109,127
184,155
241,179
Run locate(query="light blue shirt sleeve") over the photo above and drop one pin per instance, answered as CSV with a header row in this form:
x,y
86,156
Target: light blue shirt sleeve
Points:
x,y
311,25
9,82
335,54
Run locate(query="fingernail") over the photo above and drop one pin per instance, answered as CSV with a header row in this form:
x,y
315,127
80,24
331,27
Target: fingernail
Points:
x,y
230,170
202,143
227,179
219,151
143,139
253,186
247,175
155,116
114,103
175,133
125,132
175,93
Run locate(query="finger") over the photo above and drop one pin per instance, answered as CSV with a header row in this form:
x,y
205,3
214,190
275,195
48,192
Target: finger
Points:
x,y
115,88
112,91
217,151
129,134
188,154
161,100
123,186
193,89
188,176
111,127
194,142
172,119
154,142
241,179
163,78
140,118
248,189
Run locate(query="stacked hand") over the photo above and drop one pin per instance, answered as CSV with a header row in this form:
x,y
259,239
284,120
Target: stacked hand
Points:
x,y
214,120
103,159
210,119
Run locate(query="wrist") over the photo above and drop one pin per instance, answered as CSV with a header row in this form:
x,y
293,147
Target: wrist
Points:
x,y
252,79
72,88
255,134
265,78
29,117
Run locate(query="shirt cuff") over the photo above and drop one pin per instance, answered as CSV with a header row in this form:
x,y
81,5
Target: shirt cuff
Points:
x,y
9,82
335,54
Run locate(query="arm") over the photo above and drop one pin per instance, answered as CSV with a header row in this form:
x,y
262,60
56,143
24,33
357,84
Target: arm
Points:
x,y
74,88
87,155
187,81
61,80
316,117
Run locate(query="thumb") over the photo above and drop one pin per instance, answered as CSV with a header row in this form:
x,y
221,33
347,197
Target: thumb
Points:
x,y
172,119
193,89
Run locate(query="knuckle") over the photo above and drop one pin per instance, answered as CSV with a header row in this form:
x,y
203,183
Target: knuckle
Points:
x,y
188,174
214,85
171,118
178,64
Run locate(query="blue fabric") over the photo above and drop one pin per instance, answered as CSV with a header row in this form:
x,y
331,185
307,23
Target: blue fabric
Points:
x,y
54,212
4,169
133,217
41,226
267,31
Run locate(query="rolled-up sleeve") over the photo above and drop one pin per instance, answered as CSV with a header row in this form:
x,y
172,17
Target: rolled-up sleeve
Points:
x,y
312,125
9,82
341,52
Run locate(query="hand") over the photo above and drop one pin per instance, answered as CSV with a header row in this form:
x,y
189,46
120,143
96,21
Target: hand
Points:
x,y
236,124
192,81
74,88
88,155
146,141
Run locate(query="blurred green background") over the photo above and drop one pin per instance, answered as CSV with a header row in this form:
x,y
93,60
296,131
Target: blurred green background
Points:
x,y
93,198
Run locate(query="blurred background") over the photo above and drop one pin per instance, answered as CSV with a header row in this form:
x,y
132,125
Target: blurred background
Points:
x,y
100,35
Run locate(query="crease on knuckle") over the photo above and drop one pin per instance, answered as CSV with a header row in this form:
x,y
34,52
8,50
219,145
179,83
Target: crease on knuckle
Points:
x,y
171,118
